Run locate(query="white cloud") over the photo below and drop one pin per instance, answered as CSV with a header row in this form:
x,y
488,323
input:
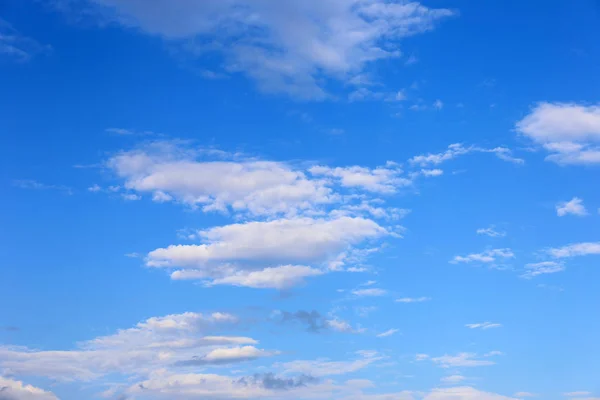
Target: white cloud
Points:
x,y
170,170
540,268
387,333
31,184
457,149
487,256
453,379
438,105
491,232
131,196
575,250
570,132
413,299
577,394
380,180
524,394
431,172
285,47
16,390
156,343
370,292
462,360
574,206
94,188
281,277
463,393
267,253
484,325
325,367
340,325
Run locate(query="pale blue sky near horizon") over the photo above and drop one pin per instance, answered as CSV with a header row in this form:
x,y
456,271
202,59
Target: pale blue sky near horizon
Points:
x,y
337,199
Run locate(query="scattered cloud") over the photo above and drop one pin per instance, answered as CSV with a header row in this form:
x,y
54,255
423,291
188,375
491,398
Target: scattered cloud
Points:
x,y
491,232
569,132
483,325
541,268
574,207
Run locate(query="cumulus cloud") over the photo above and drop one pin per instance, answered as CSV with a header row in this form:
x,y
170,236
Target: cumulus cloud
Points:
x,y
574,207
285,47
237,254
16,390
545,267
487,256
575,250
171,170
570,132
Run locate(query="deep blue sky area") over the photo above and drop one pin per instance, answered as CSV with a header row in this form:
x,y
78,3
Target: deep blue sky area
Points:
x,y
333,199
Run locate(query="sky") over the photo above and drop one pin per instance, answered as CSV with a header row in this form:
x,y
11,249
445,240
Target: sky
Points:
x,y
317,199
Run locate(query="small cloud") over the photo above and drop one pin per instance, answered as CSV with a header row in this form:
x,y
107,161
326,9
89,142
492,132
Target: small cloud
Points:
x,y
574,207
524,394
421,357
335,131
483,325
438,105
453,379
131,197
491,232
31,184
120,131
400,95
413,299
133,255
387,333
371,292
94,188
412,59
540,268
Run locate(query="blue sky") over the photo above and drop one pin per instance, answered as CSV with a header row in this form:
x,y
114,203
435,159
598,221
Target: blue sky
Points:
x,y
334,199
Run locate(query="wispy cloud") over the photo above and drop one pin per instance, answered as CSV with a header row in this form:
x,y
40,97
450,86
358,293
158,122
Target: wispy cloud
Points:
x,y
483,325
574,207
35,185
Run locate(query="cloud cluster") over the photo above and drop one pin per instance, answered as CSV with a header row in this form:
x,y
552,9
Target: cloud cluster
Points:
x,y
569,132
158,342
